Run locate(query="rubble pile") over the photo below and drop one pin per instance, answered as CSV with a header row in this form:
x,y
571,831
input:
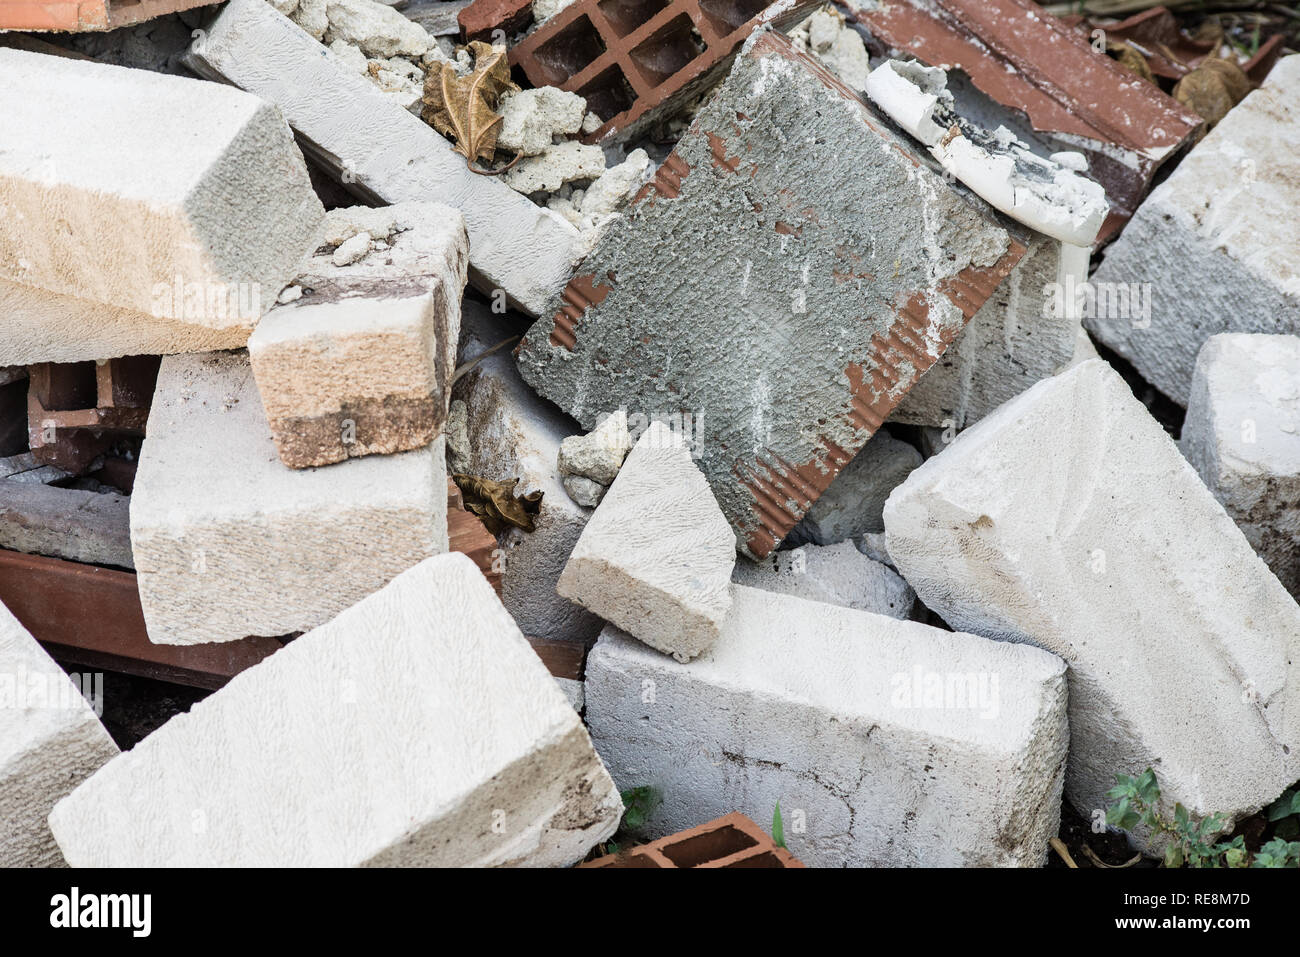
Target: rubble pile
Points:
x,y
506,411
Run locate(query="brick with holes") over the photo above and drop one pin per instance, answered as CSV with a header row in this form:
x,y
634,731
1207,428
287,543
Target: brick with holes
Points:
x,y
788,276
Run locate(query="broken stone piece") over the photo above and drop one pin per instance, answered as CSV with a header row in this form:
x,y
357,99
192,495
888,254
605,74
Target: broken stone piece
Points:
x,y
599,454
562,163
1068,519
614,188
583,490
79,525
417,728
1242,435
379,30
363,364
754,343
898,744
656,557
531,119
834,574
264,550
50,741
1213,248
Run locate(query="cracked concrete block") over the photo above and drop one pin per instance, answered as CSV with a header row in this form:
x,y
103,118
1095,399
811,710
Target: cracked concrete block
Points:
x,y
50,741
379,30
834,574
147,196
1068,519
417,729
855,501
1213,248
383,153
514,435
656,557
790,272
264,550
362,362
1027,331
1242,435
81,526
531,119
893,743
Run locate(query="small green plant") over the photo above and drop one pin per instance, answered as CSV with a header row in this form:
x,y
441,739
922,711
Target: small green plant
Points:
x,y
638,804
1135,800
778,827
1284,814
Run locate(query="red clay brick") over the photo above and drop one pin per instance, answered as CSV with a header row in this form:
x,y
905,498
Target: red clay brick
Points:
x,y
730,841
77,410
635,60
77,16
482,17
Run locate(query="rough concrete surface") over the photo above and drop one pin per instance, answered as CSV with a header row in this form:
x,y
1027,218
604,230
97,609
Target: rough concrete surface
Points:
x,y
417,728
834,574
81,526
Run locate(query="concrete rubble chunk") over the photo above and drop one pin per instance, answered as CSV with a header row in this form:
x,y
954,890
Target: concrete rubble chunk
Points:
x,y
417,728
896,744
599,454
1184,650
563,163
834,574
813,287
383,153
656,557
81,526
1212,249
362,363
1242,435
511,435
264,550
379,30
855,501
50,741
158,197
531,119
1027,331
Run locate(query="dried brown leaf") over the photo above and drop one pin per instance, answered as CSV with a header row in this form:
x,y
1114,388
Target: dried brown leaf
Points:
x,y
464,108
1212,89
495,503
1133,61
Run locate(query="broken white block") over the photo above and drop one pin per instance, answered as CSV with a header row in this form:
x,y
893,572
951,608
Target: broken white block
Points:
x,y
1242,435
1068,519
512,435
562,163
837,45
615,187
379,30
311,16
543,10
855,499
384,153
599,454
50,741
363,364
159,195
834,574
418,728
531,119
229,543
583,490
1213,248
893,743
1046,194
656,557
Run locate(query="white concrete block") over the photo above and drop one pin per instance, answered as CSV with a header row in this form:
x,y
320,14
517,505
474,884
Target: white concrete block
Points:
x,y
228,542
1214,248
385,154
50,741
891,742
834,574
1242,435
656,557
361,362
151,193
1068,519
418,728
513,434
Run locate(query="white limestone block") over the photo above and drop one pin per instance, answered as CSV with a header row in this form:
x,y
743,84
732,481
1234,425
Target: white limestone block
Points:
x,y
50,741
1242,435
1215,247
656,557
228,542
515,435
893,743
418,728
835,574
385,154
1068,519
156,194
